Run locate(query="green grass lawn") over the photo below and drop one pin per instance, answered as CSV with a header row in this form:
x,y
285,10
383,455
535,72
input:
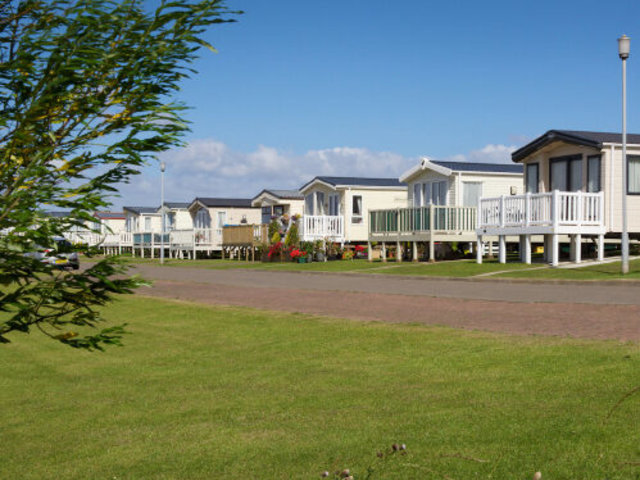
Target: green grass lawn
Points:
x,y
606,271
213,393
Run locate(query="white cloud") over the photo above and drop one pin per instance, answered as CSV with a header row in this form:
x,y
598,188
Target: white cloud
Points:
x,y
490,153
207,167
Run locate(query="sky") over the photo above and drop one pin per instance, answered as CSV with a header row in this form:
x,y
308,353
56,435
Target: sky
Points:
x,y
366,87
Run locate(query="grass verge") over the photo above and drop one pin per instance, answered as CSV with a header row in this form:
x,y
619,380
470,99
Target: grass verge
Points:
x,y
201,392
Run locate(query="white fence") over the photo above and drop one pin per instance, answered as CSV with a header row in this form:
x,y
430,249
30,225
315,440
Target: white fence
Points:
x,y
320,227
552,209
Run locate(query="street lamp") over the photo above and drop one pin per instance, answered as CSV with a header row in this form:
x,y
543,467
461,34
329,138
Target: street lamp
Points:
x,y
623,53
163,167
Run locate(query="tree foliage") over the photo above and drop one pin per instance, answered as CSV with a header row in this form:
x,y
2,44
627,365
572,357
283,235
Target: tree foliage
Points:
x,y
87,93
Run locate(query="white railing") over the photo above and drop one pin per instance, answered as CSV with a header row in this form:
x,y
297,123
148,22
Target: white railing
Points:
x,y
319,227
542,209
422,219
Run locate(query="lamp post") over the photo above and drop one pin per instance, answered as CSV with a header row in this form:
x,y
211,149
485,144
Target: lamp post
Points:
x,y
163,166
623,53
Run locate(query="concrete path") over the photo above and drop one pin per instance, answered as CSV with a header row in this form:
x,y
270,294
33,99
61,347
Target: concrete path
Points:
x,y
617,293
595,311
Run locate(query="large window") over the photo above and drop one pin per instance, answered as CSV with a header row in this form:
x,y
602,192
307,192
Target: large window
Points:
x,y
417,194
356,212
308,204
319,203
566,173
471,193
533,177
147,224
439,193
203,219
593,174
633,174
334,205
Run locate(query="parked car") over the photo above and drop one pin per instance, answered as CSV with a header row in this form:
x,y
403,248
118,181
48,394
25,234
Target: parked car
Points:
x,y
60,255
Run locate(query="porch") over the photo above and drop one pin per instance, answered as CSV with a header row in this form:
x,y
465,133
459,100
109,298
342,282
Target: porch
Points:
x,y
322,227
433,223
550,214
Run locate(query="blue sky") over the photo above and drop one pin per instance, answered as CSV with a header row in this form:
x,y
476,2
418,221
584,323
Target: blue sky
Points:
x,y
365,87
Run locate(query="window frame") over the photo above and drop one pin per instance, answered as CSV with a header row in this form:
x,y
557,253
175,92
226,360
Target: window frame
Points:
x,y
589,158
537,167
631,157
357,218
568,159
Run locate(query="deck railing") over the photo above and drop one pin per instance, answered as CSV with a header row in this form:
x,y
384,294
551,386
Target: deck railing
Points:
x,y
422,219
320,227
244,235
542,209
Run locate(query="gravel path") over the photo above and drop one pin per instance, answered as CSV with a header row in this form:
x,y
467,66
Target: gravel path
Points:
x,y
585,310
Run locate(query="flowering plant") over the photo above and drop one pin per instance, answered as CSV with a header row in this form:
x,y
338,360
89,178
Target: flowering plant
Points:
x,y
296,253
361,249
275,249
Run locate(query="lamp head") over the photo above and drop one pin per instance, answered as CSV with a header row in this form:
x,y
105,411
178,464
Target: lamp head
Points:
x,y
623,47
163,166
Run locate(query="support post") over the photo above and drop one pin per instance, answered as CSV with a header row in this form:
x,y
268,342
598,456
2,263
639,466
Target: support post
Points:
x,y
415,251
502,240
432,248
600,248
479,248
555,250
398,252
384,252
369,253
578,248
527,249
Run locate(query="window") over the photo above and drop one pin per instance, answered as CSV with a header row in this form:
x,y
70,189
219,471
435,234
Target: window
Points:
x,y
593,173
417,190
357,209
266,214
633,174
334,205
566,173
426,193
319,203
308,204
203,219
533,177
439,193
147,224
222,219
169,220
278,210
471,193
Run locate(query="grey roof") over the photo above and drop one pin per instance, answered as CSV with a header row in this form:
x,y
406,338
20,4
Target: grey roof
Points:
x,y
57,214
141,210
358,182
107,215
177,204
480,167
283,194
576,137
223,202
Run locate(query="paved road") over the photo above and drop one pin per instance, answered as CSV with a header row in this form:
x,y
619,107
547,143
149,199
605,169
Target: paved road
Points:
x,y
575,310
480,289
